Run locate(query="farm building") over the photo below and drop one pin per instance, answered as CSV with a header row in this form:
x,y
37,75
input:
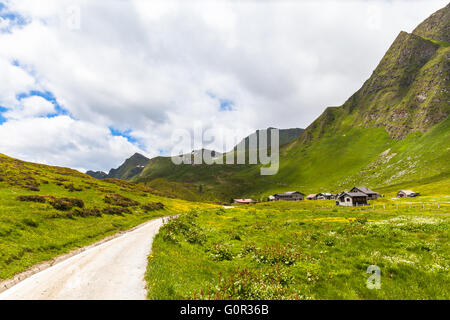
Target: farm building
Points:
x,y
312,196
407,193
324,195
272,198
289,196
350,199
243,201
371,195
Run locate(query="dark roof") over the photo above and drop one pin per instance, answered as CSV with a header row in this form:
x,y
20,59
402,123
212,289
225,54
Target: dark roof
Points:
x,y
287,193
365,190
353,194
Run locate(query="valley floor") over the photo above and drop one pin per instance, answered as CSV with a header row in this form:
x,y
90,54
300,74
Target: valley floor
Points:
x,y
305,250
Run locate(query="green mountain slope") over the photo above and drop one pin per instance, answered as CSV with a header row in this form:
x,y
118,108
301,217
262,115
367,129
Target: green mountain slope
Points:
x,y
394,131
46,211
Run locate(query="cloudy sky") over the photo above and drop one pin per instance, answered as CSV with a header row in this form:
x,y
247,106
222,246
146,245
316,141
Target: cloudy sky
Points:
x,y
85,84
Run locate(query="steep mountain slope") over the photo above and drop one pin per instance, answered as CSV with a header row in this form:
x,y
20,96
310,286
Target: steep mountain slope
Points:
x,y
46,211
131,167
437,26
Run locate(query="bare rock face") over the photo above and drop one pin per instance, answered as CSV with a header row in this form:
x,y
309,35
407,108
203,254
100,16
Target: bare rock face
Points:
x,y
437,26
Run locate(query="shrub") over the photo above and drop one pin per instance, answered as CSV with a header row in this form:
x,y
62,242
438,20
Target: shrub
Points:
x,y
32,198
153,206
65,204
245,284
94,212
34,188
169,236
119,200
186,226
221,251
115,210
71,188
274,254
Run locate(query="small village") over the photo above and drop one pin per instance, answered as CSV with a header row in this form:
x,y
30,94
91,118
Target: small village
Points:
x,y
357,196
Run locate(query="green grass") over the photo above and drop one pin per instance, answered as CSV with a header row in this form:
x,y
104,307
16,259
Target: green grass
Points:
x,y
32,232
304,250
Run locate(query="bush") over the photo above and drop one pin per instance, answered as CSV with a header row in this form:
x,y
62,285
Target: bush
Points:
x,y
185,225
71,188
115,210
34,188
153,206
65,204
221,251
94,212
119,200
33,198
274,254
245,284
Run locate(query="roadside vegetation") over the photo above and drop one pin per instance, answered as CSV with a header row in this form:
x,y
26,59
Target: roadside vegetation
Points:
x,y
47,211
304,250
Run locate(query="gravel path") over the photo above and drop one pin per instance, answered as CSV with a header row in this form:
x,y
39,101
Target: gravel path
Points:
x,y
112,270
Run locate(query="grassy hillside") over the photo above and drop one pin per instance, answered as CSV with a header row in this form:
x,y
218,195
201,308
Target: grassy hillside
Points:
x,y
304,250
46,211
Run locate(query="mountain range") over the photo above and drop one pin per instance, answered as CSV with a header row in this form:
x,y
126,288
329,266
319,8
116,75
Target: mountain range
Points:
x,y
393,131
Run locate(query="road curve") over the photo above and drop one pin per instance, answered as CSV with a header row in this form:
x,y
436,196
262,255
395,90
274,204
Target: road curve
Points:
x,y
112,270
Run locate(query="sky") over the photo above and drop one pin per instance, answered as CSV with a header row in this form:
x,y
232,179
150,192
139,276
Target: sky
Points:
x,y
85,84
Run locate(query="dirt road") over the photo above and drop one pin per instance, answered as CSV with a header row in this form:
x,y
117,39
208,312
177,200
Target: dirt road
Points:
x,y
112,270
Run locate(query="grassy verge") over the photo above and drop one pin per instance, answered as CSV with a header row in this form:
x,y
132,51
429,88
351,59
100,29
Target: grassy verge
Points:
x,y
304,250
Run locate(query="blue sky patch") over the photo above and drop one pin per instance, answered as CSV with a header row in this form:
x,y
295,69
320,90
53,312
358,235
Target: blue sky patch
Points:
x,y
126,134
2,119
14,18
47,95
224,104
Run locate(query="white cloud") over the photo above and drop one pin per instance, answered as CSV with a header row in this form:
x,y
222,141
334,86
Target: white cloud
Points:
x,y
33,106
151,66
65,142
